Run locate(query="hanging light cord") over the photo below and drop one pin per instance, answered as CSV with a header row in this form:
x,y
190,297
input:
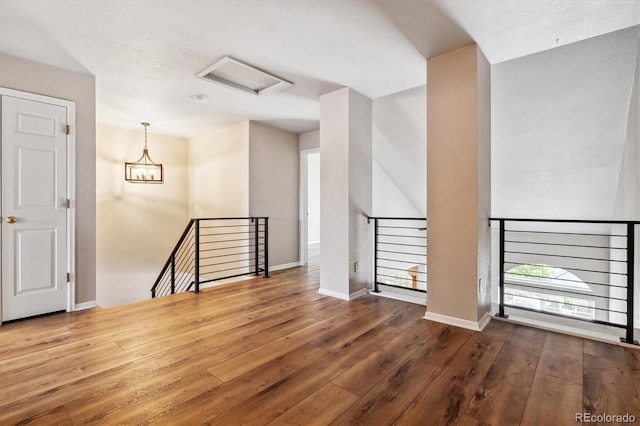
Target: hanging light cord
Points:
x,y
145,134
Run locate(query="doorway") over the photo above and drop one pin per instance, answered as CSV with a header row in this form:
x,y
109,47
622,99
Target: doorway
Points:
x,y
310,206
36,199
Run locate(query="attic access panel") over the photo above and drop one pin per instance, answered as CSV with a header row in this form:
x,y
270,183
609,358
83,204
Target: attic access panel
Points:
x,y
236,74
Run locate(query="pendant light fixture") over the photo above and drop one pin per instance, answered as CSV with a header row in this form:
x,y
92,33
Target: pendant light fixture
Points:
x,y
144,170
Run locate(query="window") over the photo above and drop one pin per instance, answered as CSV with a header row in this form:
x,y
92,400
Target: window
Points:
x,y
539,287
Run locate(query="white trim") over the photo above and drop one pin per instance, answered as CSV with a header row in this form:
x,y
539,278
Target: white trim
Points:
x,y
284,266
358,293
304,204
400,296
70,298
85,305
458,322
486,318
566,329
332,293
71,183
71,211
343,296
302,209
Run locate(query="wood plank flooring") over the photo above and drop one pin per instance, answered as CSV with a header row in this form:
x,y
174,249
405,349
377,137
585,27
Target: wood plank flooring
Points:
x,y
273,351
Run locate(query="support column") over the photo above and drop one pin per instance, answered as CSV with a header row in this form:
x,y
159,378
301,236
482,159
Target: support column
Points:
x,y
458,188
345,194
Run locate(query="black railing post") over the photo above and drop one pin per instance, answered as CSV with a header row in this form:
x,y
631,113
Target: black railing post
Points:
x,y
266,247
197,257
173,274
375,256
501,307
630,283
174,252
256,249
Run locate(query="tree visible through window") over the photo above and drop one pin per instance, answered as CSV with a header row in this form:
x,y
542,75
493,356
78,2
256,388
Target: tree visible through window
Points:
x,y
539,287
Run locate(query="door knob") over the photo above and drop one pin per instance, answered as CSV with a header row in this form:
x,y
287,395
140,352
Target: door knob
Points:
x,y
12,219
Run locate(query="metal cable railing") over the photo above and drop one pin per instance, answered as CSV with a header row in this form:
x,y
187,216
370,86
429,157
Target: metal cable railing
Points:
x,y
400,253
577,269
213,249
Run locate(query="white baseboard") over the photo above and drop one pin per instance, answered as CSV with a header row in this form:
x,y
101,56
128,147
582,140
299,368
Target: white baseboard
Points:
x,y
571,331
572,327
226,281
400,296
84,305
284,266
486,318
358,293
343,296
458,322
332,293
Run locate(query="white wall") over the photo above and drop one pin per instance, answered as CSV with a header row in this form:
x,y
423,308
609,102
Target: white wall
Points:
x,y
345,187
360,191
400,153
484,183
137,225
387,199
34,77
273,188
334,192
558,128
565,140
313,197
627,199
219,172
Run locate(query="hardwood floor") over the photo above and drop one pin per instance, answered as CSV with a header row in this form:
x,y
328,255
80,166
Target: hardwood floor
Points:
x,y
274,351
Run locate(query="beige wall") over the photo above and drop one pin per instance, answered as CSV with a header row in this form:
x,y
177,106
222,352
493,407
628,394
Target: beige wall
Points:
x,y
219,172
137,224
29,76
458,162
274,162
249,169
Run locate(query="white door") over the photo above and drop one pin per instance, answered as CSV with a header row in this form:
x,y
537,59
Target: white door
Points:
x,y
34,217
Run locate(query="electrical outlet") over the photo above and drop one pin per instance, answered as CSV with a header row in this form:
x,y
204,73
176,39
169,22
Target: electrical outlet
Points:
x,y
356,266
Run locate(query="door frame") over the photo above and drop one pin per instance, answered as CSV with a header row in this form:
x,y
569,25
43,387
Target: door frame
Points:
x,y
71,184
304,204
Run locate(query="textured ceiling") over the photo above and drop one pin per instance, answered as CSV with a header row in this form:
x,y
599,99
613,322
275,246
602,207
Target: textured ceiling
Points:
x,y
144,54
507,29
